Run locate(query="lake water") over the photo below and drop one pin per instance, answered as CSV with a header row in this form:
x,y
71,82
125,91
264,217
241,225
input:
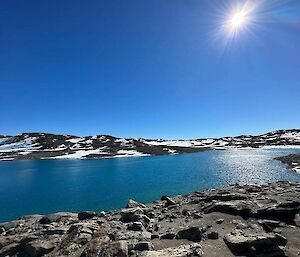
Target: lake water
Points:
x,y
47,186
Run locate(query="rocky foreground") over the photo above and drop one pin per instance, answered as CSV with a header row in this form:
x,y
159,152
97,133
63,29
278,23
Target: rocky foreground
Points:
x,y
246,220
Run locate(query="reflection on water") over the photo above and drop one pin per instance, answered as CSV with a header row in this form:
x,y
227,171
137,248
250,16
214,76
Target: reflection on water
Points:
x,y
47,186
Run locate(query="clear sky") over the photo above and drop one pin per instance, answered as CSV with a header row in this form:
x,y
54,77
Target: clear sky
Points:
x,y
155,69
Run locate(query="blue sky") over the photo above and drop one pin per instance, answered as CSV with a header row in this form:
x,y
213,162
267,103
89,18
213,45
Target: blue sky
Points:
x,y
156,69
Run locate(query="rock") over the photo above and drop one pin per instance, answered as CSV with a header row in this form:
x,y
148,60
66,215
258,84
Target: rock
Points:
x,y
269,225
56,231
219,221
133,204
130,215
135,226
168,200
283,211
247,243
86,215
10,249
38,248
213,235
114,249
281,239
234,208
57,217
168,235
297,219
225,197
197,215
186,212
143,246
119,233
155,236
193,234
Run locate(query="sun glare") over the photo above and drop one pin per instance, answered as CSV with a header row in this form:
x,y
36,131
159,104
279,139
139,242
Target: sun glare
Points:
x,y
238,20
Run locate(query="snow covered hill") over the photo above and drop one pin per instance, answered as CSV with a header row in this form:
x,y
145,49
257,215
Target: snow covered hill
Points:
x,y
52,146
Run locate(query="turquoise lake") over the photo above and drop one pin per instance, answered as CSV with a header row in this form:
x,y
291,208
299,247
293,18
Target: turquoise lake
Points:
x,y
47,186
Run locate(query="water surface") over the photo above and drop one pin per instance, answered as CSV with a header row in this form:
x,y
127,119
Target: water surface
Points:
x,y
47,186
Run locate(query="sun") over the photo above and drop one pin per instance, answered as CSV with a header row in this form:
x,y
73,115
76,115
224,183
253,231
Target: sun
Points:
x,y
238,20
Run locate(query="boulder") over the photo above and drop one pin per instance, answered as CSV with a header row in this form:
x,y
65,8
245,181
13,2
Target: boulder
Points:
x,y
255,244
168,235
192,234
86,215
230,207
114,249
213,235
135,226
284,212
38,248
10,249
57,217
269,225
168,200
143,246
133,204
130,214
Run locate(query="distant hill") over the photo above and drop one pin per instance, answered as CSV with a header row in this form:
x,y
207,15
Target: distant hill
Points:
x,y
45,145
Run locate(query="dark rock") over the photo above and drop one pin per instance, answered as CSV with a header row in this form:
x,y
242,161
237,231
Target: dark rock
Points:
x,y
254,244
269,225
135,226
213,235
143,246
234,208
86,215
197,215
283,212
186,212
193,234
168,235
154,236
38,248
168,200
281,240
219,221
114,249
10,250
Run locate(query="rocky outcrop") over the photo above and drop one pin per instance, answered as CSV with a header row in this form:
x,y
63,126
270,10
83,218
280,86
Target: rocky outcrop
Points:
x,y
236,220
292,161
45,145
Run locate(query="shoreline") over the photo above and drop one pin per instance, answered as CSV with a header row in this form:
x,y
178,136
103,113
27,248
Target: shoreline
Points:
x,y
292,161
194,223
287,147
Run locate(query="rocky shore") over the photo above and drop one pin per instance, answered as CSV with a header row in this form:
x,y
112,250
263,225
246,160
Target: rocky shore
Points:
x,y
238,220
292,161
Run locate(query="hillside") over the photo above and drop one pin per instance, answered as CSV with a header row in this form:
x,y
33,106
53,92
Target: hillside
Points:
x,y
45,145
